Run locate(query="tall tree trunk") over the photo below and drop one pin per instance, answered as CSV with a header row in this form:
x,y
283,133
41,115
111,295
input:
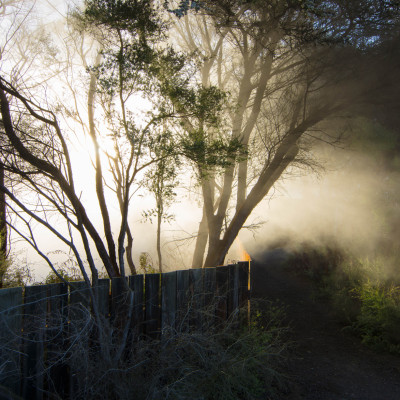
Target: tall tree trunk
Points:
x,y
99,172
284,156
128,250
201,242
3,229
159,254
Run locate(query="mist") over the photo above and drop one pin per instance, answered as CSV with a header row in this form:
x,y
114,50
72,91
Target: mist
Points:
x,y
351,203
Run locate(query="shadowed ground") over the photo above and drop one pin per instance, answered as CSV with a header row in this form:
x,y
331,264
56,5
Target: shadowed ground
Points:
x,y
327,363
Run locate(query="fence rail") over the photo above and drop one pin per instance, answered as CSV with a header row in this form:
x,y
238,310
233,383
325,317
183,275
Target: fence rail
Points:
x,y
38,321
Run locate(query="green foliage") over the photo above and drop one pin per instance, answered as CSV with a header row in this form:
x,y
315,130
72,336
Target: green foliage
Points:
x,y
365,297
67,271
146,263
134,16
13,275
209,153
14,272
379,320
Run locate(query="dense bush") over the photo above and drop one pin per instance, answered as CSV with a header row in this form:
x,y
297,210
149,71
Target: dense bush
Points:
x,y
364,295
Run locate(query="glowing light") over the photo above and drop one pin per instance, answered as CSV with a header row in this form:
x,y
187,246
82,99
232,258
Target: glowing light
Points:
x,y
244,255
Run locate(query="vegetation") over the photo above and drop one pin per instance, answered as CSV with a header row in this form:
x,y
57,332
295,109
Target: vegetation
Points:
x,y
211,363
364,294
66,272
12,274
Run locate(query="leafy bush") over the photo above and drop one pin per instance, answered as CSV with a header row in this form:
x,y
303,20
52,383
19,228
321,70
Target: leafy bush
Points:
x,y
379,320
13,275
365,298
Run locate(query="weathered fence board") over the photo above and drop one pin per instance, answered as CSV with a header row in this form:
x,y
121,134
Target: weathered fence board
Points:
x,y
209,309
79,318
182,300
197,297
222,287
103,297
168,300
34,325
48,334
244,289
10,332
56,337
119,301
152,305
136,284
79,295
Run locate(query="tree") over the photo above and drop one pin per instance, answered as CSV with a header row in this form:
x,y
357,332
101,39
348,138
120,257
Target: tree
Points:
x,y
287,66
18,50
127,58
162,180
36,151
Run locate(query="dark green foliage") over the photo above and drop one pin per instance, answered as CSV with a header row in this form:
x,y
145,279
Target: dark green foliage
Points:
x,y
136,16
13,275
359,23
146,263
364,297
136,64
134,28
379,320
208,153
68,273
183,7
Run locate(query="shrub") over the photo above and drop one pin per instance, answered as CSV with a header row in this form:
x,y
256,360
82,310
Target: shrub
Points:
x,y
378,322
364,297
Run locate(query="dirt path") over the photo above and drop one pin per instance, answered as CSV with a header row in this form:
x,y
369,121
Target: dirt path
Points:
x,y
327,364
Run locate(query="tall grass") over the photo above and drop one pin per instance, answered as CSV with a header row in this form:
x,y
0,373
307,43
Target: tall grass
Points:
x,y
212,363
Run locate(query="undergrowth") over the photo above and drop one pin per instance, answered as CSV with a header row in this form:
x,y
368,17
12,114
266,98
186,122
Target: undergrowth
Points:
x,y
224,362
365,298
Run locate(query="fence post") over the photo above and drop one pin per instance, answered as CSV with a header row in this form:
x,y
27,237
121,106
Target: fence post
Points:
x,y
197,297
57,322
35,307
136,283
244,289
210,296
182,300
102,296
152,301
10,339
233,291
80,319
168,300
222,286
119,302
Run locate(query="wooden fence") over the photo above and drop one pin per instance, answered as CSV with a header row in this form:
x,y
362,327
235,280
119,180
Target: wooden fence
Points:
x,y
37,321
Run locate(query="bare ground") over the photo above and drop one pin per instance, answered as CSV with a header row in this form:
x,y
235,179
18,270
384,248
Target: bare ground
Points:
x,y
327,363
